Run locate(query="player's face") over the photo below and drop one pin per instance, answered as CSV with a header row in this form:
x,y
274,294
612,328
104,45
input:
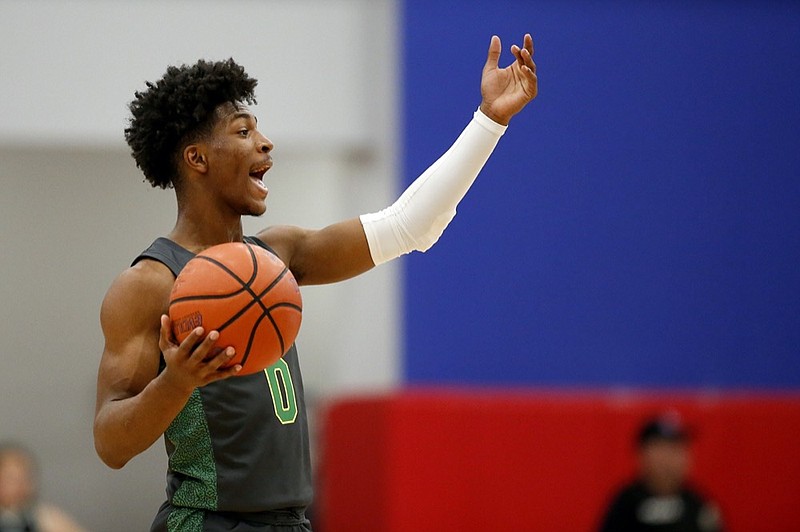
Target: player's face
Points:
x,y
238,158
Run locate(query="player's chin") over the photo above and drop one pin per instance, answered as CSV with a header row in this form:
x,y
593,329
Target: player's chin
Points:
x,y
254,210
257,203
258,208
252,206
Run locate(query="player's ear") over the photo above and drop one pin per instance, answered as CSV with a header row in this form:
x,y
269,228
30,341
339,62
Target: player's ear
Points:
x,y
195,158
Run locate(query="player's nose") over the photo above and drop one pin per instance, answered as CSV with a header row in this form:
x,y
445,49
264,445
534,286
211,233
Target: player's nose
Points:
x,y
264,144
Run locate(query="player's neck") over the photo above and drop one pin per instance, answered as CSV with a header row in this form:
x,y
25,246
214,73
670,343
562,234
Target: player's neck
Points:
x,y
197,234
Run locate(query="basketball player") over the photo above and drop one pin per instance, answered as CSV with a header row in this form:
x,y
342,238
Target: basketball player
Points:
x,y
238,446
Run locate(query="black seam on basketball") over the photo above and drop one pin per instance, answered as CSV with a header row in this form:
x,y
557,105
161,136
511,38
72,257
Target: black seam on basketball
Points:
x,y
227,270
277,330
274,282
256,300
286,304
254,260
204,297
250,340
235,316
253,331
245,285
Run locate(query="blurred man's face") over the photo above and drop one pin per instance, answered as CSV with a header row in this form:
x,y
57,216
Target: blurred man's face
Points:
x,y
664,465
16,481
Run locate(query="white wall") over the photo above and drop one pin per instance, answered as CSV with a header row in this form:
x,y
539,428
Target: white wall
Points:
x,y
74,210
70,66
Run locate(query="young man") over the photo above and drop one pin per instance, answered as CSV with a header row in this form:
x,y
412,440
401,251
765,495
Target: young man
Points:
x,y
233,461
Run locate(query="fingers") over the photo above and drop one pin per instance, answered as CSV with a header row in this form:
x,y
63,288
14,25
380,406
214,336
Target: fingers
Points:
x,y
165,338
527,52
215,360
197,347
207,352
524,55
204,349
516,51
527,61
167,341
197,361
494,53
219,358
527,43
224,373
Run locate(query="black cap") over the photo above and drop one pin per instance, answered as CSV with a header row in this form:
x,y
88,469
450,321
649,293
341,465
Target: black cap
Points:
x,y
669,427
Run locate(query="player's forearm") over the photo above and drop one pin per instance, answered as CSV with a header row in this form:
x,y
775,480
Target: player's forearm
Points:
x,y
421,214
124,428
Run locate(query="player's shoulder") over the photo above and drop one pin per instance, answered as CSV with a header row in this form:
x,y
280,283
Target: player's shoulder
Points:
x,y
142,289
146,276
276,234
283,239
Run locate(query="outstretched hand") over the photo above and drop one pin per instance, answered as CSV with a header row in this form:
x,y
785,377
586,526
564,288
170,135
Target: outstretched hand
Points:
x,y
506,91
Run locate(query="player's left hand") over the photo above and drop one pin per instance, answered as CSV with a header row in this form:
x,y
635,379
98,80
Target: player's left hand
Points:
x,y
506,91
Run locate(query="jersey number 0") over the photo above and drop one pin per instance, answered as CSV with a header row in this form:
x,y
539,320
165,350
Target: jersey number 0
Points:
x,y
282,389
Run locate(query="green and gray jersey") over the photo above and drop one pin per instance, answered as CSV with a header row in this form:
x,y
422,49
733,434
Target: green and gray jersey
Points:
x,y
239,444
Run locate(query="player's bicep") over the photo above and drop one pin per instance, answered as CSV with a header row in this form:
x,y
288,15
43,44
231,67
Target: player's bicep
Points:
x,y
130,323
125,369
334,253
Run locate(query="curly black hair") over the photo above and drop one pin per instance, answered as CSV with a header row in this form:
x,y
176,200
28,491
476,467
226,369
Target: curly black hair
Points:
x,y
178,109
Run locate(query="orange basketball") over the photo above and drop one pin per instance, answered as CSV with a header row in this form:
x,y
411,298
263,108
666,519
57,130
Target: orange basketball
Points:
x,y
244,292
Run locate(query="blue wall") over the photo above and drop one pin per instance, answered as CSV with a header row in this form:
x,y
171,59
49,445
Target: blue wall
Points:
x,y
639,224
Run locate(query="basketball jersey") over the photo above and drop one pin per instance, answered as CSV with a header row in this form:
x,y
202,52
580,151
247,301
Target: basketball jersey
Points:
x,y
239,444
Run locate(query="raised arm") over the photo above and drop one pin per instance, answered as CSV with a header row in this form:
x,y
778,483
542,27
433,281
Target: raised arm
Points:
x,y
136,403
418,218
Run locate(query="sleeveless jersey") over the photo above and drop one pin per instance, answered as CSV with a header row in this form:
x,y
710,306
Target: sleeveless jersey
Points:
x,y
239,444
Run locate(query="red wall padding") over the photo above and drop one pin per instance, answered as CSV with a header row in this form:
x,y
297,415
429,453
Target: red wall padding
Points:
x,y
482,461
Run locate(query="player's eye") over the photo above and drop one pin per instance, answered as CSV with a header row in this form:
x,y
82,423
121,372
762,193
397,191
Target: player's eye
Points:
x,y
244,132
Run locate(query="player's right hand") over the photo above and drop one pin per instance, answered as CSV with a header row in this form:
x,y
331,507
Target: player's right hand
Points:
x,y
197,360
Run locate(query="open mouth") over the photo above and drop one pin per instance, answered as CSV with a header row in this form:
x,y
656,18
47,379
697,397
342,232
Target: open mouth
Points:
x,y
258,172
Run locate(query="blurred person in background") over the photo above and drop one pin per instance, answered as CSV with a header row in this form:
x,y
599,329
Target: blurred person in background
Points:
x,y
20,509
660,498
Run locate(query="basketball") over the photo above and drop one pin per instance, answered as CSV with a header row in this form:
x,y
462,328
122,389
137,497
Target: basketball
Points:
x,y
246,294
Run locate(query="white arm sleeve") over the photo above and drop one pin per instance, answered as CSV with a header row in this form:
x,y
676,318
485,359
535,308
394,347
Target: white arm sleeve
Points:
x,y
420,215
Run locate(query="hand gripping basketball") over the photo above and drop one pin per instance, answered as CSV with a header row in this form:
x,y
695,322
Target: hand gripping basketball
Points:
x,y
246,294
